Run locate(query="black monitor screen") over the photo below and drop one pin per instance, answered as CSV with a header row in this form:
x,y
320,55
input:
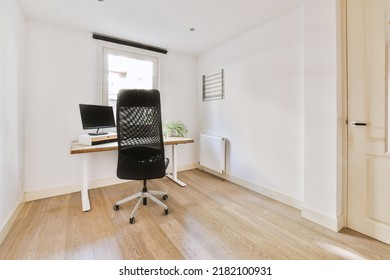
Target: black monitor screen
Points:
x,y
96,116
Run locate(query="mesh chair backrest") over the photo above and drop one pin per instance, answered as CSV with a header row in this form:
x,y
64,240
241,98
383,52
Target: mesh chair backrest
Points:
x,y
139,126
140,141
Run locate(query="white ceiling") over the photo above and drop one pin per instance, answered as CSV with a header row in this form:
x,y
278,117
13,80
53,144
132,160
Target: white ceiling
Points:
x,y
163,23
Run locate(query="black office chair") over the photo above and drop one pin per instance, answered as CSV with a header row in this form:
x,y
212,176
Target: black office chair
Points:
x,y
140,143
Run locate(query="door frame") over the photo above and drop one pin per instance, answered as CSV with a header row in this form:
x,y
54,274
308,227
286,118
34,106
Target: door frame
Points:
x,y
343,76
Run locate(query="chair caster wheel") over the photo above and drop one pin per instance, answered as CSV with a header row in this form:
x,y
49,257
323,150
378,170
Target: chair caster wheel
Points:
x,y
165,197
132,220
166,211
116,207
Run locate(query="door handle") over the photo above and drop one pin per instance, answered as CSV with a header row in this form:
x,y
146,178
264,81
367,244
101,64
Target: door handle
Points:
x,y
358,124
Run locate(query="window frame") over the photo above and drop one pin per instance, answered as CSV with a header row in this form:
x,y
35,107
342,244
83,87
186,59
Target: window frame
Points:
x,y
106,48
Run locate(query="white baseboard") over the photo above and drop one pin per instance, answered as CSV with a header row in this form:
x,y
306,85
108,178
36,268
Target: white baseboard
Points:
x,y
7,226
335,224
288,200
325,221
94,184
71,188
183,167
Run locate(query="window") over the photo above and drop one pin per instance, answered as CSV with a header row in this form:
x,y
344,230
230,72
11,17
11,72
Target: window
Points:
x,y
130,70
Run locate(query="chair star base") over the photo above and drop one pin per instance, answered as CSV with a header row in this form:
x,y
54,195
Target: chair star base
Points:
x,y
143,197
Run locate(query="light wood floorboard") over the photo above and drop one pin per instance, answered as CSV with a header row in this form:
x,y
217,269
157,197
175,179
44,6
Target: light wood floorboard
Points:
x,y
209,219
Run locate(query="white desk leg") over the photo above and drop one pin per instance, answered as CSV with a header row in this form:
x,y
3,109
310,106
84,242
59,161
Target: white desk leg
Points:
x,y
173,176
84,192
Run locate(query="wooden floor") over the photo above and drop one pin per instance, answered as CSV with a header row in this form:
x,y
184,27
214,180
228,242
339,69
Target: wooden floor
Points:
x,y
208,219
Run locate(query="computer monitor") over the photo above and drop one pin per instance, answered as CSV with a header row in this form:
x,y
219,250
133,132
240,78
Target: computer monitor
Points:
x,y
96,117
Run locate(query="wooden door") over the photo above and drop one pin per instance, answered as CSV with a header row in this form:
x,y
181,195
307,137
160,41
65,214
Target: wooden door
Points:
x,y
368,157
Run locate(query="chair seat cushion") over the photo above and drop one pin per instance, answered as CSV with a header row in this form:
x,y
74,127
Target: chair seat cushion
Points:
x,y
140,152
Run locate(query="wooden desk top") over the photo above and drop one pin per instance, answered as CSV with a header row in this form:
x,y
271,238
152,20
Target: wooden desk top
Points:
x,y
77,148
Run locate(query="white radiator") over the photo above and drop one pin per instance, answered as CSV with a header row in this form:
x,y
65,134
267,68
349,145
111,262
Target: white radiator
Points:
x,y
212,152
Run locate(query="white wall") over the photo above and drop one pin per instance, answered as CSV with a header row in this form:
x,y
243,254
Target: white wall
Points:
x,y
12,34
63,71
282,113
262,113
179,102
322,201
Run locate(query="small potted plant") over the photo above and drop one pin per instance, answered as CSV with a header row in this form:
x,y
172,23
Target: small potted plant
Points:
x,y
174,129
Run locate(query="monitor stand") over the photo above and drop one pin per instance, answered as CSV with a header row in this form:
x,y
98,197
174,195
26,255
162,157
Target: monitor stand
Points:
x,y
97,133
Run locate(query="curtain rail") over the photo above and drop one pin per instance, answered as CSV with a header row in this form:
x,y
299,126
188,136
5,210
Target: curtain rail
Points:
x,y
128,43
